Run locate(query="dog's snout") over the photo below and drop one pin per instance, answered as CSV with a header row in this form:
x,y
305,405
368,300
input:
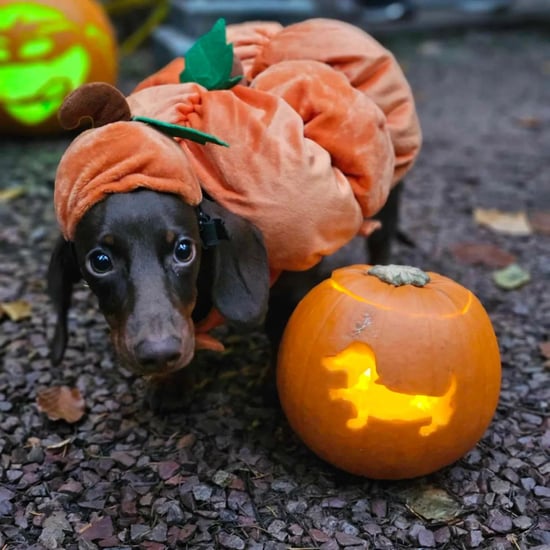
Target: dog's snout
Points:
x,y
158,352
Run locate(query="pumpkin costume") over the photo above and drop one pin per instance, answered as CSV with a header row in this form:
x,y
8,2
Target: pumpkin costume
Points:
x,y
319,129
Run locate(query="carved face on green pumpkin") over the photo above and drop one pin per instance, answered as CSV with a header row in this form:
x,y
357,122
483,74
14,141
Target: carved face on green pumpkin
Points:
x,y
43,56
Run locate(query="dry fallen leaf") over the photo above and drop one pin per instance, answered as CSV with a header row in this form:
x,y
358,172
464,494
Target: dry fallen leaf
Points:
x,y
185,441
530,122
61,403
511,277
509,223
60,444
11,193
545,349
432,503
16,310
484,254
540,221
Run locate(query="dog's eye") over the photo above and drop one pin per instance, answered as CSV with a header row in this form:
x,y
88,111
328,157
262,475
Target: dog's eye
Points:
x,y
99,262
184,251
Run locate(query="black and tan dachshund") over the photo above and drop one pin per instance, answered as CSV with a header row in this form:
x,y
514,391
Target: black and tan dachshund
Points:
x,y
158,266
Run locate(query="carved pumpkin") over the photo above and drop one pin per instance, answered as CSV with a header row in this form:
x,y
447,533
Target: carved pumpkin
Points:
x,y
47,49
389,372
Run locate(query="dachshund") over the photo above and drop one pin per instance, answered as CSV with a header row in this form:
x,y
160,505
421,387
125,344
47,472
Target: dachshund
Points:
x,y
158,268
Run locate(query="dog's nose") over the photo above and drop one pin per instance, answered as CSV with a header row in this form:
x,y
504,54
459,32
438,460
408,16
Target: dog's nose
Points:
x,y
158,352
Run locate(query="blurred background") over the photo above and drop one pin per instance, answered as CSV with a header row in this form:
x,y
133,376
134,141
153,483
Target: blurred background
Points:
x,y
173,25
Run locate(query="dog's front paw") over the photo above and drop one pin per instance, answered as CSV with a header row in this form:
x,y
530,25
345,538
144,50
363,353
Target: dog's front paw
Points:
x,y
171,392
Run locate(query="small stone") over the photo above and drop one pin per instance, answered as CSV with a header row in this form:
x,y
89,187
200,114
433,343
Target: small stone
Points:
x,y
171,512
522,522
318,536
349,529
231,541
426,538
158,533
99,529
442,535
138,532
167,469
71,487
372,528
283,486
500,486
36,454
296,506
510,475
379,508
541,491
277,529
202,492
344,539
53,531
123,458
499,522
528,483
471,500
222,478
474,538
14,475
295,530
186,532
334,502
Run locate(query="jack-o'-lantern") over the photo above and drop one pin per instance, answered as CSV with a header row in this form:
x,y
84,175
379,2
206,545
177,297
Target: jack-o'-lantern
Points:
x,y
389,372
47,49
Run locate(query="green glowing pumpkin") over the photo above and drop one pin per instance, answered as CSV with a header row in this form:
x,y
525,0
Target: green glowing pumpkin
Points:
x,y
47,49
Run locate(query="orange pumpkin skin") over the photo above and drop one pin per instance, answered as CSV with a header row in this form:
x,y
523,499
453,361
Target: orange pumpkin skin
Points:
x,y
47,49
437,373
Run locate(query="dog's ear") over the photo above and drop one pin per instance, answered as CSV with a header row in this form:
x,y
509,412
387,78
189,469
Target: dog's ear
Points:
x,y
240,287
63,272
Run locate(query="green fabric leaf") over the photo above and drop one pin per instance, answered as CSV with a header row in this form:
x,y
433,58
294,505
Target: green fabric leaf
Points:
x,y
209,61
174,130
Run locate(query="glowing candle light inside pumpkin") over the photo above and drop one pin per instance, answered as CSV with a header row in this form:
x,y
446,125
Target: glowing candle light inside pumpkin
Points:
x,y
45,53
389,372
371,398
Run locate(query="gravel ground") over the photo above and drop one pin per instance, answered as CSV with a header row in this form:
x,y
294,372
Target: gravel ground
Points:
x,y
228,472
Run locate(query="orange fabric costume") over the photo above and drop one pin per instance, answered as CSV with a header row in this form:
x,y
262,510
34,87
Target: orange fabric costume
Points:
x,y
322,127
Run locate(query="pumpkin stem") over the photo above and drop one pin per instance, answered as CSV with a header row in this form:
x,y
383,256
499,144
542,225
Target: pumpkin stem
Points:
x,y
399,275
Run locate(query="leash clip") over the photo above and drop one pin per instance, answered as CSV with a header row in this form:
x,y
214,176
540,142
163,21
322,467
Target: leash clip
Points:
x,y
211,230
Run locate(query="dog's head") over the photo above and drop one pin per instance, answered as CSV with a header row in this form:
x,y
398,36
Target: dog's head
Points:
x,y
158,266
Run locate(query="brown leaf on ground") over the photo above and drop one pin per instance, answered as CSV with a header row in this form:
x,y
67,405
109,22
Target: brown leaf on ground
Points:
x,y
545,349
509,223
540,221
530,122
482,253
61,403
16,311
186,441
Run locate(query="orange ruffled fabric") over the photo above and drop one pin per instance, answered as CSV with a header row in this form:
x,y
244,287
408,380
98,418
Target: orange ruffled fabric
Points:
x,y
282,174
325,127
119,158
368,66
